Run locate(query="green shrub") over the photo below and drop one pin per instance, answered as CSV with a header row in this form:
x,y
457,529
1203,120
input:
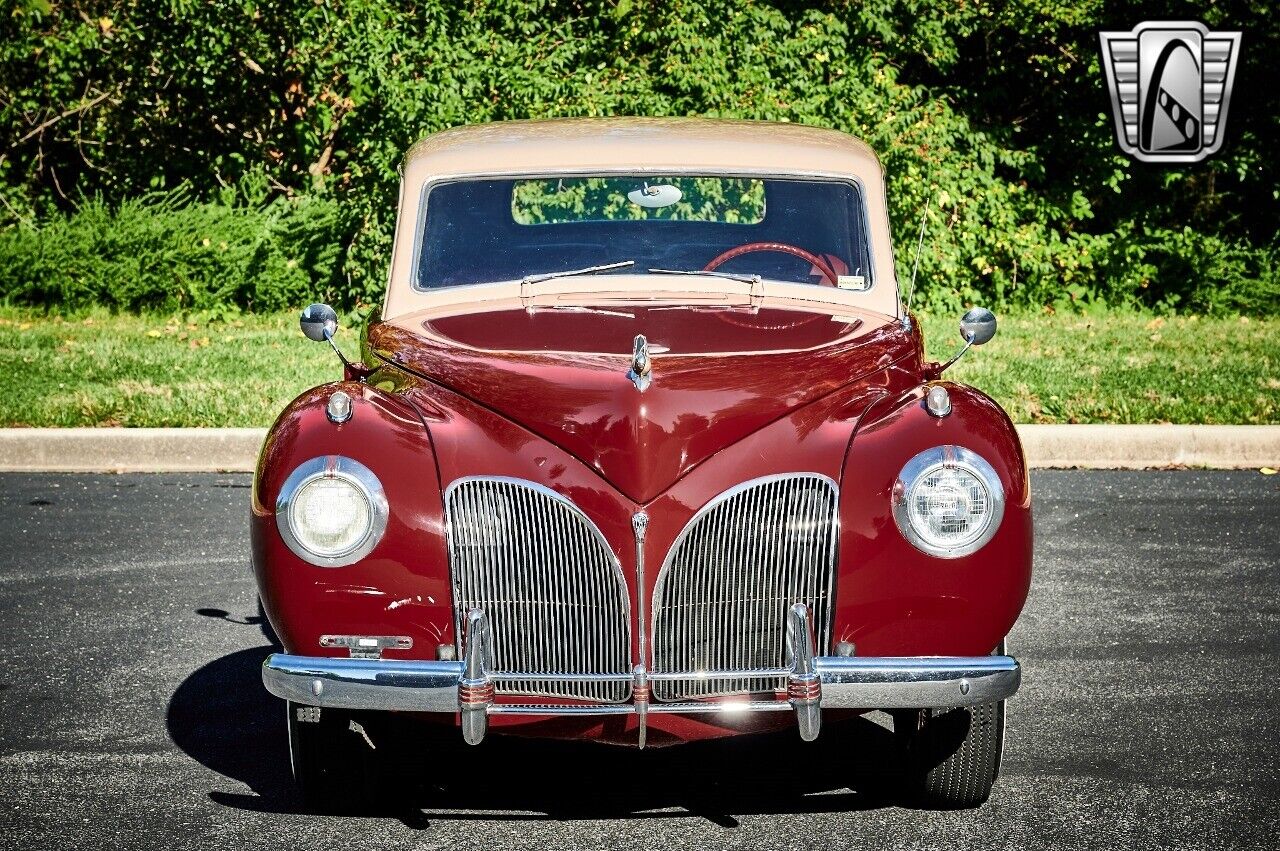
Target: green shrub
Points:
x,y
163,252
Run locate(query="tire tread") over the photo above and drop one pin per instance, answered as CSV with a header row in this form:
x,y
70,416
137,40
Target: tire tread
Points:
x,y
965,777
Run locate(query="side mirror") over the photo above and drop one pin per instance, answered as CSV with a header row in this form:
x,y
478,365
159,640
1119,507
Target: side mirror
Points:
x,y
319,322
978,326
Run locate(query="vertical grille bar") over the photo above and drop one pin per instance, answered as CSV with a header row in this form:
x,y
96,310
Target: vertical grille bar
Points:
x,y
722,595
549,582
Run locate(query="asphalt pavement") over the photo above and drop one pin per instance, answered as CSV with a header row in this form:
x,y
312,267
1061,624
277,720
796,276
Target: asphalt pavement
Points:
x,y
132,714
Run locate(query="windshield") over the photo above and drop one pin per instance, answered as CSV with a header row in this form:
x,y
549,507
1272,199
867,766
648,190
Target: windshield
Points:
x,y
801,231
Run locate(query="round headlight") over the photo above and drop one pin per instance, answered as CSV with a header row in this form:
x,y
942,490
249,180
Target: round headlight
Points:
x,y
948,501
331,511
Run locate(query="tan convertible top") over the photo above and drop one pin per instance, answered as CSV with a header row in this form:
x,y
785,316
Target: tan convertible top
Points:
x,y
637,145
661,143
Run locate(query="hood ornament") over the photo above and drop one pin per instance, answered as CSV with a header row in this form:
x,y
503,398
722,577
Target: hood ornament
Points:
x,y
641,372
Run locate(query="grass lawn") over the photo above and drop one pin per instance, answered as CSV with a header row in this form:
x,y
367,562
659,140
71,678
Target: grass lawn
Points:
x,y
103,370
1123,367
1118,367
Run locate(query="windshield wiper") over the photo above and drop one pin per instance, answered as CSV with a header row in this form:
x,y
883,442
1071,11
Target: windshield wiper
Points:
x,y
746,279
590,270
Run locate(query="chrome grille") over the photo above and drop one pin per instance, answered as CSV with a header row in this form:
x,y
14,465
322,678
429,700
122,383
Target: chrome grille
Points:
x,y
547,579
722,596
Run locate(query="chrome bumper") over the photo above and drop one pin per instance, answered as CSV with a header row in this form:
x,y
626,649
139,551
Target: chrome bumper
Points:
x,y
814,683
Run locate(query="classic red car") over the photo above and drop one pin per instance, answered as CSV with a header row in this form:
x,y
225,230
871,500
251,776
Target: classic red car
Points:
x,y
643,448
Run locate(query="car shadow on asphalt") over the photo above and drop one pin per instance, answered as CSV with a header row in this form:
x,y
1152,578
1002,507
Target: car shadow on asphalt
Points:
x,y
223,718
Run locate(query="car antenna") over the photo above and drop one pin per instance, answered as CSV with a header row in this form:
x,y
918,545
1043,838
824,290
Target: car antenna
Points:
x,y
915,266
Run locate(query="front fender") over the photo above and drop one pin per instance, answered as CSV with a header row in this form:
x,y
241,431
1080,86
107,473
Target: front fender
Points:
x,y
402,586
894,600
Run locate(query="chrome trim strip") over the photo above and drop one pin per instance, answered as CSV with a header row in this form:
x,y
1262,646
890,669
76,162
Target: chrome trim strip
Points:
x,y
518,676
576,598
690,708
888,682
640,526
754,674
725,706
561,709
336,467
790,570
367,646
640,688
760,674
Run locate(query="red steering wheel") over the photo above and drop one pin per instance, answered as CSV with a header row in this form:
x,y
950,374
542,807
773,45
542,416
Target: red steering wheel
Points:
x,y
782,248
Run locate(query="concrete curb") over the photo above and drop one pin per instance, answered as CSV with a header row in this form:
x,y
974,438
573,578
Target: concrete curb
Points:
x,y
174,450
130,450
1137,447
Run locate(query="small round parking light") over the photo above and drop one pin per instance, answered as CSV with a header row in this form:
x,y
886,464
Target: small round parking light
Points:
x,y
338,407
331,511
948,501
938,401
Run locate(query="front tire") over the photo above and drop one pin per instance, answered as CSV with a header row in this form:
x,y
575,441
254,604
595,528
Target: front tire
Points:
x,y
953,755
331,760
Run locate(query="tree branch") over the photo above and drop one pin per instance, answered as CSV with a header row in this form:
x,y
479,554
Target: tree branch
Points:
x,y
45,125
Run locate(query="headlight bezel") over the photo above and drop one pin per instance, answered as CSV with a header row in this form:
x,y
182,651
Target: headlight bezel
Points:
x,y
353,473
940,458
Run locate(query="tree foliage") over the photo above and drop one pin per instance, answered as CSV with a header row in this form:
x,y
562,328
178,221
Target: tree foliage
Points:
x,y
990,117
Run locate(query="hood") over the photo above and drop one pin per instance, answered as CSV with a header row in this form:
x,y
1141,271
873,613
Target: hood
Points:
x,y
718,374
